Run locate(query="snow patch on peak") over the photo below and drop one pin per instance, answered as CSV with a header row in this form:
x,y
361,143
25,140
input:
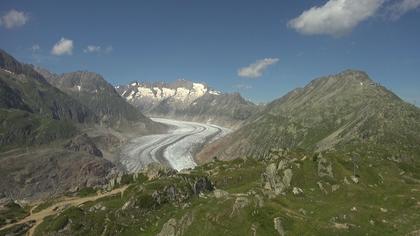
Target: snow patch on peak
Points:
x,y
184,92
181,94
8,71
214,92
168,92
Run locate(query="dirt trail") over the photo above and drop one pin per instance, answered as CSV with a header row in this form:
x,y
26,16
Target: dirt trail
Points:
x,y
38,217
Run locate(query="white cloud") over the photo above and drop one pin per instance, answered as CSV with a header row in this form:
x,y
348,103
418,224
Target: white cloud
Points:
x,y
13,19
64,46
256,69
97,49
35,48
336,17
92,48
397,9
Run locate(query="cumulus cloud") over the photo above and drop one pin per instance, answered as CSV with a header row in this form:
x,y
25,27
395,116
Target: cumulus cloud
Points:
x,y
335,18
13,19
64,46
397,9
97,49
256,69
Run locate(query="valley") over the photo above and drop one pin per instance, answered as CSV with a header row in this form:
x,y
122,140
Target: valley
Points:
x,y
208,118
175,149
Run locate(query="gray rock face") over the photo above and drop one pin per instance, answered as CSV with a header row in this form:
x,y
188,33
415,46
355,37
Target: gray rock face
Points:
x,y
218,193
324,167
82,143
99,96
278,226
277,178
240,203
175,227
155,170
176,194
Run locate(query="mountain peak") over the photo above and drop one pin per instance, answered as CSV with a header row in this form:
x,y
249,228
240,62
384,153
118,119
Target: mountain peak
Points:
x,y
9,64
347,76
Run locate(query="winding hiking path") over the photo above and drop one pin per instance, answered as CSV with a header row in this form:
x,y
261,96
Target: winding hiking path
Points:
x,y
38,217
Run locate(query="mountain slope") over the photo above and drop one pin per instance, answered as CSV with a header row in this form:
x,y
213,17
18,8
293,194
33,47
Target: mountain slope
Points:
x,y
286,193
99,96
188,100
335,112
46,112
40,152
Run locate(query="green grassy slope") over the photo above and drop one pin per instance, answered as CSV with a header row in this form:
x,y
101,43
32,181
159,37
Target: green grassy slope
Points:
x,y
384,201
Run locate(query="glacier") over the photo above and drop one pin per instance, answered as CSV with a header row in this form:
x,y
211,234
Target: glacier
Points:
x,y
175,148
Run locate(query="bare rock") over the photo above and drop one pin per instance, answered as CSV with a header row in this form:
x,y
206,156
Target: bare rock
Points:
x,y
175,227
277,179
218,193
324,167
297,191
355,179
155,170
82,143
279,226
240,202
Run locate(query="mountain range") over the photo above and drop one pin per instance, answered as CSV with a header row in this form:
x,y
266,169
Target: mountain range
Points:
x,y
186,100
340,156
44,122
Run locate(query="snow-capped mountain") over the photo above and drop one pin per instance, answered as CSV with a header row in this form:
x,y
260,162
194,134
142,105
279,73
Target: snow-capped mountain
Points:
x,y
180,93
187,100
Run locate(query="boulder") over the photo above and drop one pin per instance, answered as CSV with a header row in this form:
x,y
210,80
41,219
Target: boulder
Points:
x,y
218,193
324,167
278,226
240,202
175,227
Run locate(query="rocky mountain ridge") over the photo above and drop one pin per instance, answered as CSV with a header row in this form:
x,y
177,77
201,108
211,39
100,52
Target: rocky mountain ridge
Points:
x,y
344,111
59,133
98,95
188,100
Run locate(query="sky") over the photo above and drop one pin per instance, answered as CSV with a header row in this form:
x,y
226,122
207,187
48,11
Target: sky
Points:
x,y
262,49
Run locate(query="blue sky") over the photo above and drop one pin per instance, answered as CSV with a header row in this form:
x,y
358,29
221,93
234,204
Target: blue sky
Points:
x,y
280,45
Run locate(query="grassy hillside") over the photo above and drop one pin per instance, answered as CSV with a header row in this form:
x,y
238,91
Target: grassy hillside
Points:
x,y
329,113
287,193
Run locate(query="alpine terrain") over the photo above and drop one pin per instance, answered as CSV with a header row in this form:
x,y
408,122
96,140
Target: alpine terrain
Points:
x,y
186,100
297,118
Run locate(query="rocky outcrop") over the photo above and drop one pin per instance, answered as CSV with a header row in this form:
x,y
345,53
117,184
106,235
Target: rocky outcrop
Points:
x,y
277,177
324,166
240,203
174,227
155,170
278,226
82,143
